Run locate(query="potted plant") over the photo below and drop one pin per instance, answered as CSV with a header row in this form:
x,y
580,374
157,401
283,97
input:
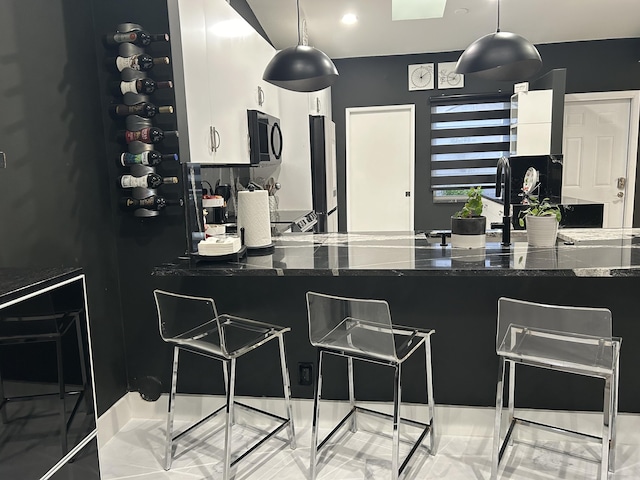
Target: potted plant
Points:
x,y
468,226
541,219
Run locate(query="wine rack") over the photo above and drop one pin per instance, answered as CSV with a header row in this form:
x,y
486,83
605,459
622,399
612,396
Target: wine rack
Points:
x,y
133,123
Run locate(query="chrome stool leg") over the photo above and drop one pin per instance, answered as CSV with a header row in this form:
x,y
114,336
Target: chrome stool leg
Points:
x,y
168,454
612,442
495,459
352,396
433,445
86,390
229,422
511,401
397,400
287,393
607,414
3,404
61,396
225,374
316,416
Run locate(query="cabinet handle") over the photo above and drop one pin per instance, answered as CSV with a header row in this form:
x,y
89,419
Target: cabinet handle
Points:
x,y
317,104
260,96
214,136
3,160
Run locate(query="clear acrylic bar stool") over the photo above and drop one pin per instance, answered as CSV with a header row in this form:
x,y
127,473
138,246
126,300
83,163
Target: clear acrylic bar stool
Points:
x,y
568,339
362,330
194,325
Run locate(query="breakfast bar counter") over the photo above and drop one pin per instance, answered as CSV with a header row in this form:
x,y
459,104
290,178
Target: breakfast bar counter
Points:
x,y
579,252
426,285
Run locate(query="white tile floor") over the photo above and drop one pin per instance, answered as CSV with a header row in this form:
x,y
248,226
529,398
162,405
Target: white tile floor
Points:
x,y
136,452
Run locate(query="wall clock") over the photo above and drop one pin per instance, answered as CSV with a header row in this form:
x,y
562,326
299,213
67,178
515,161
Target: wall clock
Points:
x,y
421,76
447,76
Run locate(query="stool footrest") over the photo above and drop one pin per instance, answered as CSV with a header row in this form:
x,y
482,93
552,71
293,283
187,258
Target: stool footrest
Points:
x,y
283,423
426,427
556,429
262,440
544,426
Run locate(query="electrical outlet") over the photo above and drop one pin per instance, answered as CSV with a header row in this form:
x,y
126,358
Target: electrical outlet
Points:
x,y
305,373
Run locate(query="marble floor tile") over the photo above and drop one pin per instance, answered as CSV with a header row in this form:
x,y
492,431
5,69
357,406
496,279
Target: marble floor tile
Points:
x,y
137,451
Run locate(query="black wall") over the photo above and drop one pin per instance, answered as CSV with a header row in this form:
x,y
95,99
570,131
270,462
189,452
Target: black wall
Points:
x,y
55,207
141,243
591,66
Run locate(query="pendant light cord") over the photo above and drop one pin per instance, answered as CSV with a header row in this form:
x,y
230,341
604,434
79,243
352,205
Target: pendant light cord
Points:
x,y
498,26
298,14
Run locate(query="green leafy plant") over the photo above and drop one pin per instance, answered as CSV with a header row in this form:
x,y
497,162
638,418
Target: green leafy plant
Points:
x,y
539,209
473,205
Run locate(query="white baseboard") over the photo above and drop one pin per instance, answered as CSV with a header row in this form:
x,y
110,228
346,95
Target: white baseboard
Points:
x,y
450,420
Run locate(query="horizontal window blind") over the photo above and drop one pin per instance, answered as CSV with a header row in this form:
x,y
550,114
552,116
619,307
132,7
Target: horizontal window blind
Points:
x,y
469,133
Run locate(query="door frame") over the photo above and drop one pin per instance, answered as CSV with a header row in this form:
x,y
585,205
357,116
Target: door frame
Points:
x,y
412,167
632,147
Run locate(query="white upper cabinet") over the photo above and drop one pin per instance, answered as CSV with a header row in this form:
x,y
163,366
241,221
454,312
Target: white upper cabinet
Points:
x,y
223,59
531,114
195,81
320,102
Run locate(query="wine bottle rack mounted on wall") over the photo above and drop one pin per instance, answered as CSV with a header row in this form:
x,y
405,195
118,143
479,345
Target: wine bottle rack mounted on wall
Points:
x,y
135,123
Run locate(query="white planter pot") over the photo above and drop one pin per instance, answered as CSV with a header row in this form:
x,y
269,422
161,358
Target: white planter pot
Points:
x,y
541,231
468,232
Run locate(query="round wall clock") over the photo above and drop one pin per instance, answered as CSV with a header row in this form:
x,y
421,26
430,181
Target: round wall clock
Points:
x,y
421,76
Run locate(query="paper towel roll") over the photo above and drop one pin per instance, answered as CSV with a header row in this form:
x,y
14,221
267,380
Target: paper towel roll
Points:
x,y
253,216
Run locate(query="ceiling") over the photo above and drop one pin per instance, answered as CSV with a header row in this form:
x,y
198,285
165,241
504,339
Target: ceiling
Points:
x,y
540,21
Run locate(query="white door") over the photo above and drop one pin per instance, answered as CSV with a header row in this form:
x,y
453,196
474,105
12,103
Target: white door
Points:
x,y
380,168
600,148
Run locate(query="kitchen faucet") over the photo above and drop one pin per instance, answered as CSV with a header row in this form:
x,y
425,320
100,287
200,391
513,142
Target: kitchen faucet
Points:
x,y
503,175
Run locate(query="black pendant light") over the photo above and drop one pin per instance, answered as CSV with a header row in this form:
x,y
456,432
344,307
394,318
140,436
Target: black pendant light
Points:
x,y
500,56
301,68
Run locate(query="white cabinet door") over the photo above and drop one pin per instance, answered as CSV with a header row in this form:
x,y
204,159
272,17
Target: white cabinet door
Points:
x,y
223,61
320,102
193,41
530,132
230,81
270,98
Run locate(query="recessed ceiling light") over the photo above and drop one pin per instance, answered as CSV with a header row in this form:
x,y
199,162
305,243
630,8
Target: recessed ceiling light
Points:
x,y
349,18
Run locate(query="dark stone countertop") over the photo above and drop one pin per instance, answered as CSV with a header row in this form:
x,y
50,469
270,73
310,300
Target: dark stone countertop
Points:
x,y
18,282
589,253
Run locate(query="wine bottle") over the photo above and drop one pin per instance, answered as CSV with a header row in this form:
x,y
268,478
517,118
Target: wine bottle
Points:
x,y
150,158
154,202
144,109
146,135
144,86
141,62
140,38
151,180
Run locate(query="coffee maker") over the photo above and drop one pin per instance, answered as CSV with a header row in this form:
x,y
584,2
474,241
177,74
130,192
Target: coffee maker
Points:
x,y
220,213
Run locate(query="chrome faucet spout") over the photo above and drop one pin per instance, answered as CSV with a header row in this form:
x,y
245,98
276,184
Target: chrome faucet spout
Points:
x,y
503,176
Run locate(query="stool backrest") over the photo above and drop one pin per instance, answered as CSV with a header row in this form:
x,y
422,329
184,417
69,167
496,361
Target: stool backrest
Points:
x,y
595,322
182,317
350,324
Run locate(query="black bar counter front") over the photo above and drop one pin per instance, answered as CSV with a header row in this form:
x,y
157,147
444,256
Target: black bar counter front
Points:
x,y
427,285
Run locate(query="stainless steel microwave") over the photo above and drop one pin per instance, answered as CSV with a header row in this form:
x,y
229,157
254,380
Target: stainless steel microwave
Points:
x,y
265,138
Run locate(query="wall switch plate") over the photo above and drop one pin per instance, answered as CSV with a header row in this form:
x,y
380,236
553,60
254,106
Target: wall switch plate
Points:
x,y
305,373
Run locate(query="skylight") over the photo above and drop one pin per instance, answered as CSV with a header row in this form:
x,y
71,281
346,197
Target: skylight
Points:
x,y
417,9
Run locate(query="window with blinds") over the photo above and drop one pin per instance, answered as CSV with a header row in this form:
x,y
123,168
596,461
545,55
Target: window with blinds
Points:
x,y
469,133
